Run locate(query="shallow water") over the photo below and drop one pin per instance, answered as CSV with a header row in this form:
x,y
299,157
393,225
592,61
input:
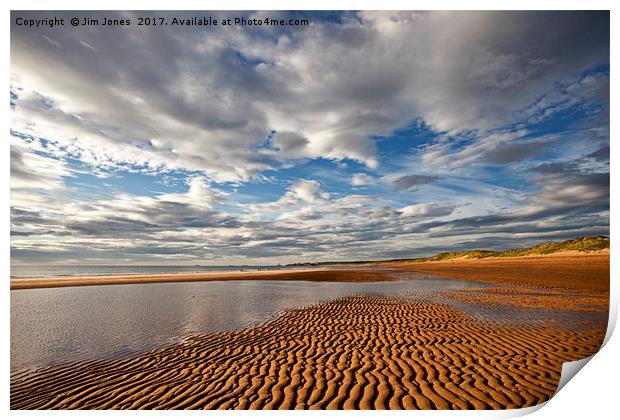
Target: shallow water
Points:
x,y
50,326
48,270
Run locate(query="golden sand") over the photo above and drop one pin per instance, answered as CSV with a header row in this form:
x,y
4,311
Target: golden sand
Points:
x,y
361,352
573,270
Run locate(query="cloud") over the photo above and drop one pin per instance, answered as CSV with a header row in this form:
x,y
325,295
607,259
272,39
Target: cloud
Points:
x,y
51,41
129,216
428,210
601,155
271,128
317,84
413,181
565,184
306,190
30,170
90,47
568,199
507,153
442,154
591,90
290,144
361,179
503,71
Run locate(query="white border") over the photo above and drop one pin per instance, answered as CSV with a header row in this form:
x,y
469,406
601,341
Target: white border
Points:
x,y
592,395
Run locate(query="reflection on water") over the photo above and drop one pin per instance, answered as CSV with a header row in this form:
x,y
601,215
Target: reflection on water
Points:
x,y
75,323
50,326
50,270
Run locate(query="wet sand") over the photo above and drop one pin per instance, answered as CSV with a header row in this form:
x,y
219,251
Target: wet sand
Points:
x,y
364,351
344,275
572,270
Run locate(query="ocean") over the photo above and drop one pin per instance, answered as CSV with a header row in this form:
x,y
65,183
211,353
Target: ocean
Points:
x,y
103,270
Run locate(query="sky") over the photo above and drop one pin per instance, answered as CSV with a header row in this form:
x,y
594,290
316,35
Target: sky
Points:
x,y
363,135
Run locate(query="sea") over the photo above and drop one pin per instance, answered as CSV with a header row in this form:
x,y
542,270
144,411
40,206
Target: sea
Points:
x,y
25,271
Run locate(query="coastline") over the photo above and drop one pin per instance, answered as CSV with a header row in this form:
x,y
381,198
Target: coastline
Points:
x,y
314,274
567,270
360,352
573,270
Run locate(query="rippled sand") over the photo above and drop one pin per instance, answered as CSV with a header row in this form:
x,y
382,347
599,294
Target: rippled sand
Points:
x,y
355,352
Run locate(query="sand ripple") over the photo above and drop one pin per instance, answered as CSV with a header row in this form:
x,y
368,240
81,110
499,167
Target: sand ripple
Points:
x,y
359,352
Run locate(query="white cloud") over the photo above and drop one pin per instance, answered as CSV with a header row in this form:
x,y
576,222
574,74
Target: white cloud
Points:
x,y
90,47
443,155
306,190
426,210
230,105
361,179
206,100
30,170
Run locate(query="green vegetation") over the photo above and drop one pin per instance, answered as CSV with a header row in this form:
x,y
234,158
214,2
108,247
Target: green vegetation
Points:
x,y
585,244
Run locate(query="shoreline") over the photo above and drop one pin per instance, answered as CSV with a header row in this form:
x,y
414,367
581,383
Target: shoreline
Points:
x,y
562,270
315,274
339,354
362,351
573,270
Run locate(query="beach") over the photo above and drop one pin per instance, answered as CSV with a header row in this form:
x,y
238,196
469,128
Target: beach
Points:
x,y
353,275
564,270
307,209
360,351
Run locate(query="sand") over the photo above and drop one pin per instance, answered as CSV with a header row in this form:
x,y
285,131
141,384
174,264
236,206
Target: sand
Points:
x,y
573,270
344,275
364,352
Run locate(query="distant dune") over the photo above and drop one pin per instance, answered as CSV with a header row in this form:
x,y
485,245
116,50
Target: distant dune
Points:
x,y
584,244
513,270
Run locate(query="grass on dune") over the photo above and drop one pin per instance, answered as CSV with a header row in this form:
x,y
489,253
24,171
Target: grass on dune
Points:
x,y
584,244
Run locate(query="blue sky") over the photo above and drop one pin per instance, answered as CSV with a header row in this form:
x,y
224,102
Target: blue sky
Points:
x,y
363,136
